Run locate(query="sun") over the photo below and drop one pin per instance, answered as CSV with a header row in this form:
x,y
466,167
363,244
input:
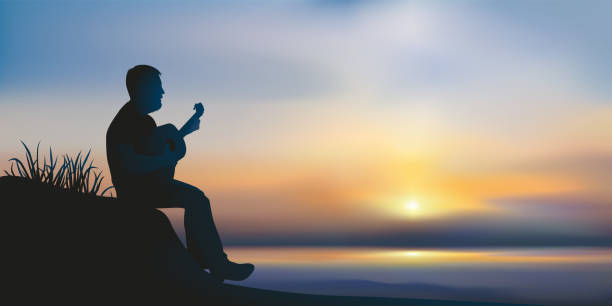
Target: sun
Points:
x,y
412,205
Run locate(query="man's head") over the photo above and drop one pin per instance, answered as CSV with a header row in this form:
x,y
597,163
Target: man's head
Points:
x,y
145,89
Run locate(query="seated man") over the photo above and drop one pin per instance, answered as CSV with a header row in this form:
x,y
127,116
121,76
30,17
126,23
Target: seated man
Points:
x,y
142,176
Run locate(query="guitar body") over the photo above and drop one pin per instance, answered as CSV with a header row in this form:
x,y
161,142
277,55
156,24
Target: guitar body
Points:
x,y
168,136
164,136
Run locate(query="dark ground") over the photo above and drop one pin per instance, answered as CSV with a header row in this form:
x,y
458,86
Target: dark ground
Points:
x,y
69,248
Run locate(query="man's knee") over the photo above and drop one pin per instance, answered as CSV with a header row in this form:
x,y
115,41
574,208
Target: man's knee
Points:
x,y
204,199
199,198
188,191
191,195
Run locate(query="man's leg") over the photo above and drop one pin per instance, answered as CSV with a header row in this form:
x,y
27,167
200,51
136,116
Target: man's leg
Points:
x,y
201,233
203,240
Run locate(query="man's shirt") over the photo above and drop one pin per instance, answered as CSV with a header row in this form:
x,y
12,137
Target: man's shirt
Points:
x,y
128,127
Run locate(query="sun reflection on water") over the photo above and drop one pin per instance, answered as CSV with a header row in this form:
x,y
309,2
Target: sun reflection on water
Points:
x,y
419,257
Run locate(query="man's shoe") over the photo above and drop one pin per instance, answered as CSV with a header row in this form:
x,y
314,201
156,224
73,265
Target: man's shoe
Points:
x,y
232,271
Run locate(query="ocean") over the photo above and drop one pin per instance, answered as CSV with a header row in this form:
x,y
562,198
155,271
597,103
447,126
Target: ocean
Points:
x,y
553,276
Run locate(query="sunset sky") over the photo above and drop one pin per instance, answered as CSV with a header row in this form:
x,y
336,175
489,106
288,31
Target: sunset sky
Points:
x,y
342,122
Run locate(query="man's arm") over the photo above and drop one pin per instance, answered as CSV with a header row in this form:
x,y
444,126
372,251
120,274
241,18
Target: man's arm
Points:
x,y
193,124
134,163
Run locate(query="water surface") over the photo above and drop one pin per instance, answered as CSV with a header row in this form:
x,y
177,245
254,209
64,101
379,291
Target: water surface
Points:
x,y
529,275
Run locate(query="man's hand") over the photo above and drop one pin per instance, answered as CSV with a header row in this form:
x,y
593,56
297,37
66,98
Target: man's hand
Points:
x,y
171,156
191,126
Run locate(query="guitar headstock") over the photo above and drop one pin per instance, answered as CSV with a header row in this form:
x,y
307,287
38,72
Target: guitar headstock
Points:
x,y
199,109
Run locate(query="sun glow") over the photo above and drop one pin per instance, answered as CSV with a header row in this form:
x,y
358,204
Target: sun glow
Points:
x,y
412,205
412,208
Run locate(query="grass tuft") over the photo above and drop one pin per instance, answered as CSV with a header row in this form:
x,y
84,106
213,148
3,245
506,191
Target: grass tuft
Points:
x,y
75,173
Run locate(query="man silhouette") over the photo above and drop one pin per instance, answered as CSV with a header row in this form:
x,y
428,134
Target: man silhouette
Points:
x,y
135,173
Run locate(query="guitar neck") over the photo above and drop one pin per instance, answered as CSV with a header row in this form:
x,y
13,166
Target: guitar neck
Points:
x,y
182,131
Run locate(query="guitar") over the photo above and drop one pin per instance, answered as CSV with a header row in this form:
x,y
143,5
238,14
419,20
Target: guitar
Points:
x,y
168,135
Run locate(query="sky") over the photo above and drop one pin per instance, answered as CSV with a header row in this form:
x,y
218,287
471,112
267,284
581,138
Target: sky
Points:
x,y
438,123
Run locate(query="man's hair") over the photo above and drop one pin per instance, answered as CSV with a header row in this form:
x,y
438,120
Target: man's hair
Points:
x,y
138,75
